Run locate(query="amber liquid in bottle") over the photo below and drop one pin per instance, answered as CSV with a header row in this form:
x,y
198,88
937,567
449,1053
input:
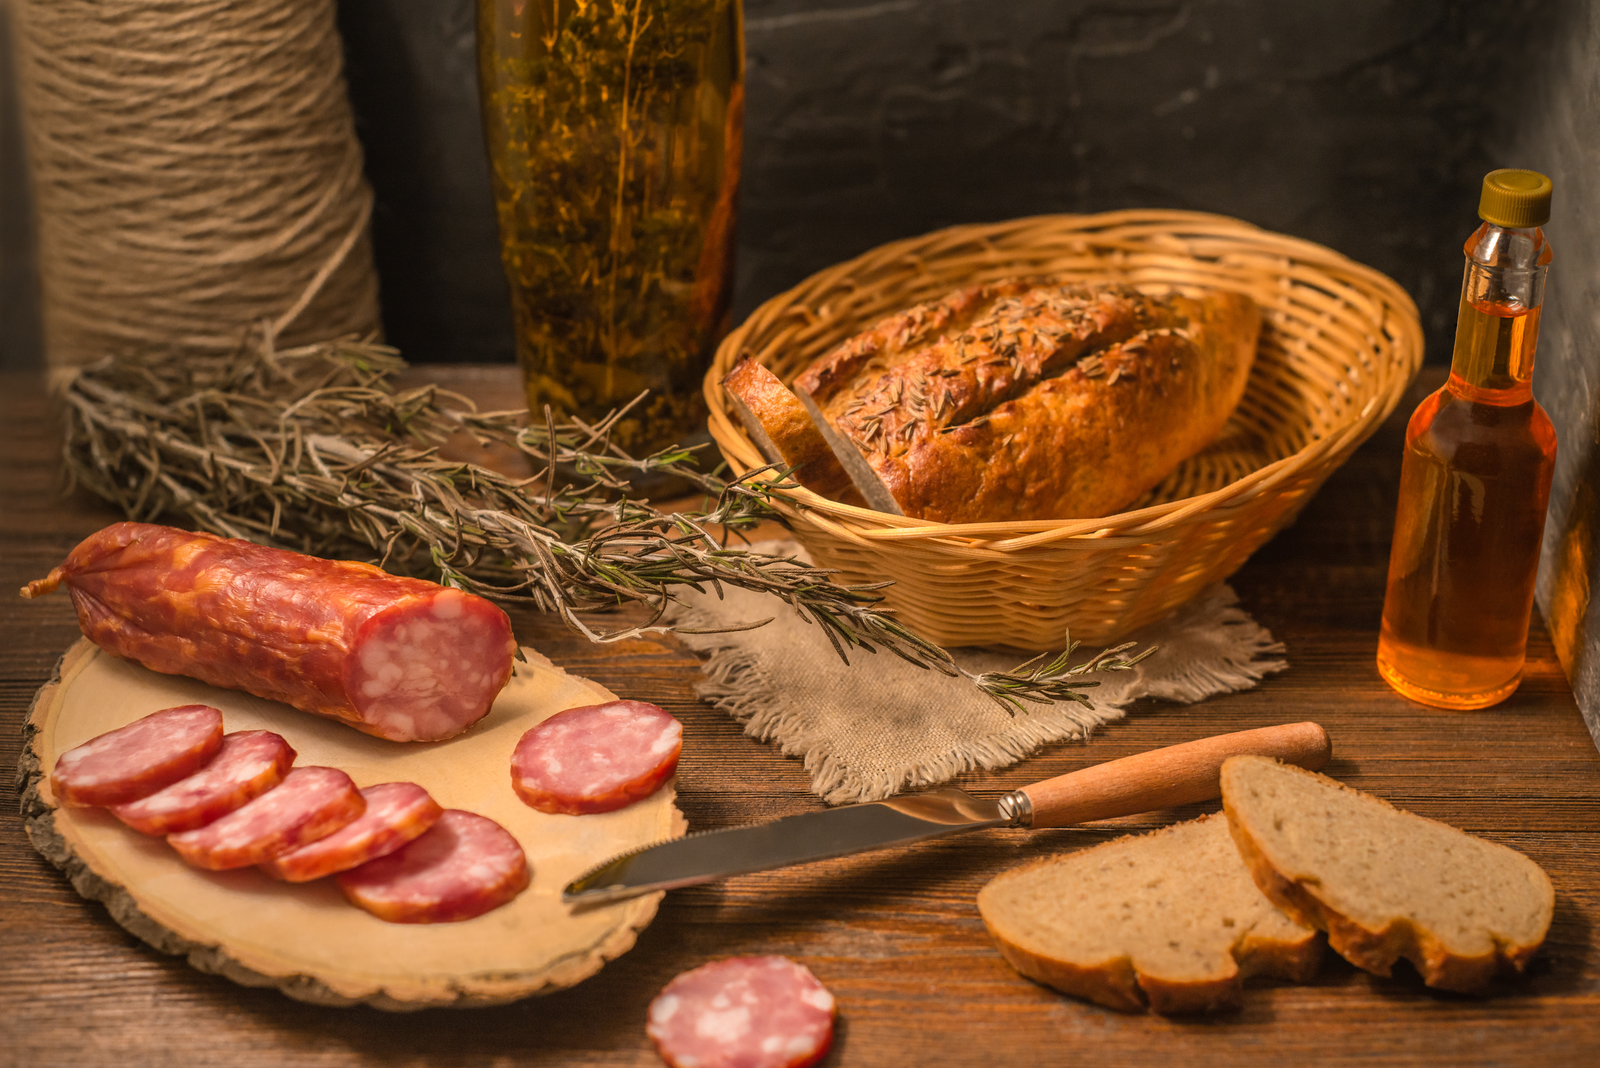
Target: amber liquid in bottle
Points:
x,y
614,130
1474,484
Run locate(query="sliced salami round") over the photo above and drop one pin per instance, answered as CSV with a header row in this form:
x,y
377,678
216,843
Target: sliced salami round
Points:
x,y
396,813
135,761
249,764
310,803
596,758
464,866
745,1012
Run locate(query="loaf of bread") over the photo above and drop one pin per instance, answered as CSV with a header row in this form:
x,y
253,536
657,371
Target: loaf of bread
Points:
x,y
1170,920
1385,883
1013,400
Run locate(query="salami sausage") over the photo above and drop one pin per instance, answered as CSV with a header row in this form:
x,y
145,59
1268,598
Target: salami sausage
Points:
x,y
249,764
135,761
396,657
464,866
310,803
596,758
746,1012
396,813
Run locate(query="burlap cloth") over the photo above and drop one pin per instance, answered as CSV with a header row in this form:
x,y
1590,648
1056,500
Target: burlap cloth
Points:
x,y
881,726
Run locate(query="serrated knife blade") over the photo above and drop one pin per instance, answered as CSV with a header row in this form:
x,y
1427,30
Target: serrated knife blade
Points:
x,y
1160,778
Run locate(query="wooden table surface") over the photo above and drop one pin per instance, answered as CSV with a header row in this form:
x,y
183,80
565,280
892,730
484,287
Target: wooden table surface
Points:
x,y
895,935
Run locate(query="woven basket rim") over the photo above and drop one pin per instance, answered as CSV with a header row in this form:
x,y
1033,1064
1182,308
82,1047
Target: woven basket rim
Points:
x,y
866,526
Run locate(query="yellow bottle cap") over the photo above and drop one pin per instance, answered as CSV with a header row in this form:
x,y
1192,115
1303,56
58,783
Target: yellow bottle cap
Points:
x,y
1515,198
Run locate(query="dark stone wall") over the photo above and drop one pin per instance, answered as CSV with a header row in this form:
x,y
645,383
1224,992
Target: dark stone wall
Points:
x,y
21,333
412,71
1360,124
1356,124
1553,124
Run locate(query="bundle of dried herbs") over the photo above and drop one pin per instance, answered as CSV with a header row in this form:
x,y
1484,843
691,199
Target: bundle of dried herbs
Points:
x,y
315,450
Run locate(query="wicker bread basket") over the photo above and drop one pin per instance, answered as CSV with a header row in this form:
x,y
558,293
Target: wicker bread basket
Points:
x,y
1339,344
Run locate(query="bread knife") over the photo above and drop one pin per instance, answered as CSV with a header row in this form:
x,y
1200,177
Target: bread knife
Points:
x,y
1160,778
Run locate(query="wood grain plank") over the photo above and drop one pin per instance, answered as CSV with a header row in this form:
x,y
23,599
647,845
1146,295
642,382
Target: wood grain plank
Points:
x,y
894,934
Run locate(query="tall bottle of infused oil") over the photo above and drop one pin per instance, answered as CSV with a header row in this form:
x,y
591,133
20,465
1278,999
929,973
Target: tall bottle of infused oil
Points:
x,y
1476,475
614,131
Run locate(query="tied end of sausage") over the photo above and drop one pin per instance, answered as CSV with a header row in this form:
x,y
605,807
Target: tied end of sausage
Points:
x,y
43,587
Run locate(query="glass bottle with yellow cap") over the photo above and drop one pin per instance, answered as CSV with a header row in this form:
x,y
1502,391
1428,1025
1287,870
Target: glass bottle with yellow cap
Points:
x,y
1476,475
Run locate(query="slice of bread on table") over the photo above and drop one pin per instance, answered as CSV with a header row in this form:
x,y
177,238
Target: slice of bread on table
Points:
x,y
1169,921
1385,883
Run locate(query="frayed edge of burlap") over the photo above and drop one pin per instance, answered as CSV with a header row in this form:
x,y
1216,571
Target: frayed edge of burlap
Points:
x,y
736,684
1034,727
1249,655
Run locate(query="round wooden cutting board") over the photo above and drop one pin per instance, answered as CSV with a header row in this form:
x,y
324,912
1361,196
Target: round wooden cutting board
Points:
x,y
305,939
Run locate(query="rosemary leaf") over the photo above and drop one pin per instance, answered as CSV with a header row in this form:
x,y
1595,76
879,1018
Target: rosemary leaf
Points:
x,y
1055,680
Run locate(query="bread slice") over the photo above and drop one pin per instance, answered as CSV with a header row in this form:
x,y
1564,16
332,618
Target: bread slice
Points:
x,y
1168,920
782,429
1385,883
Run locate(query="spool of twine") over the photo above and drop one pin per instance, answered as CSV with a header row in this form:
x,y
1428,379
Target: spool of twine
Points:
x,y
196,175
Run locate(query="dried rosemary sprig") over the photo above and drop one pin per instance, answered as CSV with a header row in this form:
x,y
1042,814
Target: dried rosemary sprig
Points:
x,y
1053,680
312,448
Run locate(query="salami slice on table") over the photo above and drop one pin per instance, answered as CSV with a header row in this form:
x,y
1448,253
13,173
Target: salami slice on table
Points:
x,y
745,1012
135,761
466,865
596,758
310,803
249,764
396,657
396,813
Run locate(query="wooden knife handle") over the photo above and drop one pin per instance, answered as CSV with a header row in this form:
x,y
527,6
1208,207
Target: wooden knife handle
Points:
x,y
1166,778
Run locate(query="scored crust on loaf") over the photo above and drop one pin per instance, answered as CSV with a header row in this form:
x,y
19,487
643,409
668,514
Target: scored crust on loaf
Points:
x,y
1060,442
1383,882
1062,403
1017,400
893,338
1168,920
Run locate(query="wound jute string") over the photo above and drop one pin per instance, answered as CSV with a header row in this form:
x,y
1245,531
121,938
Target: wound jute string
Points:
x,y
882,726
196,175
